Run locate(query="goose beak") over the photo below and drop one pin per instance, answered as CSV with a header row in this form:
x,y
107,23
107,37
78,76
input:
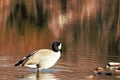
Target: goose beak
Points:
x,y
61,51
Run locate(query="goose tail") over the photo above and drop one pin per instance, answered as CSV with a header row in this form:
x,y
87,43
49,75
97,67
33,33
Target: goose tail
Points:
x,y
20,61
24,59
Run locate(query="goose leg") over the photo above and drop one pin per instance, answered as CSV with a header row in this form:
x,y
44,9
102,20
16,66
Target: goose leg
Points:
x,y
38,70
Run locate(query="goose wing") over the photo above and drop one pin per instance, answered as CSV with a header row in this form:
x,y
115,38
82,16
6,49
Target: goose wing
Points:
x,y
39,56
24,59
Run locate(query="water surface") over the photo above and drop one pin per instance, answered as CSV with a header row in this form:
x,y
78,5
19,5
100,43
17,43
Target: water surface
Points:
x,y
89,31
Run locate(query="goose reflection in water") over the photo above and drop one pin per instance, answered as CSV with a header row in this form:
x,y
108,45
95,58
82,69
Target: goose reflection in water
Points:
x,y
42,76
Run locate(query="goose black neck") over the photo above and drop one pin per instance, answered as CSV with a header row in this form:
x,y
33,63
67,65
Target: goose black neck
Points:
x,y
55,46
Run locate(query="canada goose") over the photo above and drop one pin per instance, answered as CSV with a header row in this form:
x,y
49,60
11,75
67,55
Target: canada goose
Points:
x,y
43,58
113,66
99,70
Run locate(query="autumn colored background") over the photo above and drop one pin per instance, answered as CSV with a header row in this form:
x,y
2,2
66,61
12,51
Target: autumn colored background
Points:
x,y
88,29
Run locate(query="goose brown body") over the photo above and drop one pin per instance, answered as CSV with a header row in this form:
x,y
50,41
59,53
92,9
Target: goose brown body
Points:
x,y
43,58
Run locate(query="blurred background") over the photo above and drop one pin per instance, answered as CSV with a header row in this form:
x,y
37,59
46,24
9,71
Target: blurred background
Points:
x,y
88,29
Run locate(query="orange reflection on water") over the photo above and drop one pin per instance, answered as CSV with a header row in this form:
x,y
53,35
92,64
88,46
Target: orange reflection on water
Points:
x,y
89,30
90,8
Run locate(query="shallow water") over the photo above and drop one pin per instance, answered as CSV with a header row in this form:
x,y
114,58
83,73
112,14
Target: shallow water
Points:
x,y
89,31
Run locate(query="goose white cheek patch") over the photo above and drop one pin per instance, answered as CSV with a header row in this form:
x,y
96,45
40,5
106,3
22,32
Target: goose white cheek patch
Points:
x,y
60,46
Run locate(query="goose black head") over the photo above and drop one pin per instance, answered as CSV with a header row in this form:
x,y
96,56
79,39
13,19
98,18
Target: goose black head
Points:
x,y
56,46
